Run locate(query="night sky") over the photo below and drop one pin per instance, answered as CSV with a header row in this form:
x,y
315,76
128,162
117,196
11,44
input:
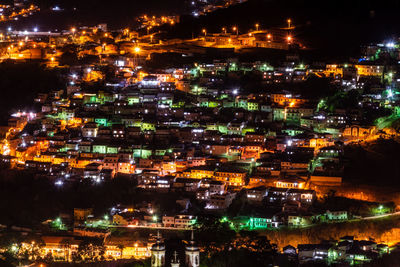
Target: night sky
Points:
x,y
342,24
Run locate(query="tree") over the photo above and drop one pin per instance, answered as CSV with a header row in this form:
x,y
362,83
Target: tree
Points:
x,y
69,58
237,204
213,233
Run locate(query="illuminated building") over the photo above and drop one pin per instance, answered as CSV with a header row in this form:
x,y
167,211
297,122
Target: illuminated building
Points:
x,y
232,177
356,131
290,182
369,70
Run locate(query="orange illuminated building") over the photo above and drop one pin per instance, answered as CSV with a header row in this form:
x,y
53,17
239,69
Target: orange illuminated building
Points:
x,y
290,182
287,99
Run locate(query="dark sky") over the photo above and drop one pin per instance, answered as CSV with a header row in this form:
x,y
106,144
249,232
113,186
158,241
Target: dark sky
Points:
x,y
116,13
338,26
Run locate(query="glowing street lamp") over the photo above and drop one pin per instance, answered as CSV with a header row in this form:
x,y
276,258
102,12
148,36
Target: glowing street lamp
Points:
x,y
289,39
234,28
137,49
204,31
224,30
289,21
257,26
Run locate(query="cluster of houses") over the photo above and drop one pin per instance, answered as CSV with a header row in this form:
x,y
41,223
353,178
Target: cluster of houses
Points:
x,y
346,250
181,130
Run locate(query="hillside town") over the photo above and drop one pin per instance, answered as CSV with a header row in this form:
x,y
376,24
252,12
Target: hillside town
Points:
x,y
205,135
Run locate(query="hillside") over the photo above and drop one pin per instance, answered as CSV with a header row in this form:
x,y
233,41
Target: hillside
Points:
x,y
337,29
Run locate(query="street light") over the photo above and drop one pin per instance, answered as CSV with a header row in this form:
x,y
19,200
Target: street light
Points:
x,y
289,39
235,29
137,49
224,30
289,21
257,26
204,31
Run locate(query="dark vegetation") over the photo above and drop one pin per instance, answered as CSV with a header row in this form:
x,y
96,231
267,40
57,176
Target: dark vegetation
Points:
x,y
29,199
376,163
20,83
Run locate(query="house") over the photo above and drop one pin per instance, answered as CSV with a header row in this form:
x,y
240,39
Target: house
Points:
x,y
312,252
256,194
92,171
290,182
216,187
81,215
220,201
186,184
290,251
168,221
60,247
231,176
340,215
357,131
125,219
203,194
184,221
126,249
89,130
303,196
198,172
356,255
367,245
276,194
